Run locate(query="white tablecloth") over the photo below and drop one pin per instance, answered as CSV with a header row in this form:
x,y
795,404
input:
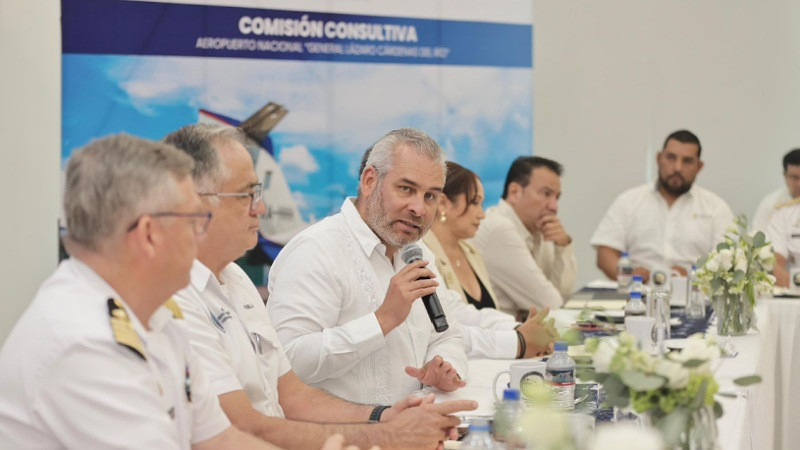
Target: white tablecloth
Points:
x,y
762,416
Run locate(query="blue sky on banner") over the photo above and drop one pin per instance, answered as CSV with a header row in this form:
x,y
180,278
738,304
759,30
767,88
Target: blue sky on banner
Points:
x,y
480,114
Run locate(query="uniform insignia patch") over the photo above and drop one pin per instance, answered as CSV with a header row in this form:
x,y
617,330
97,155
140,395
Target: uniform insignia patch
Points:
x,y
122,329
173,307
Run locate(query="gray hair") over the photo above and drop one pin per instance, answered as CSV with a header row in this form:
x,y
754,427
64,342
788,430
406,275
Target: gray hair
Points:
x,y
381,155
114,180
199,142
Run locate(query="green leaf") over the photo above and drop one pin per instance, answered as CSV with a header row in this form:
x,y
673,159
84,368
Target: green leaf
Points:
x,y
727,395
639,381
617,393
748,380
716,283
717,410
572,337
722,246
672,425
701,262
737,276
693,363
759,239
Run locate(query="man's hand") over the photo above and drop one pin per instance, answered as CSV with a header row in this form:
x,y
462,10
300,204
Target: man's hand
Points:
x,y
408,402
552,230
437,373
428,424
405,287
644,273
539,334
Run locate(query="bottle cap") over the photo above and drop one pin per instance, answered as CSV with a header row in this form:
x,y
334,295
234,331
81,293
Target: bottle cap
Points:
x,y
636,294
511,394
637,278
561,346
625,254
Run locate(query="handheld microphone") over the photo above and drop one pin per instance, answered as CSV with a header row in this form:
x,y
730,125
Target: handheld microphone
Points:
x,y
409,254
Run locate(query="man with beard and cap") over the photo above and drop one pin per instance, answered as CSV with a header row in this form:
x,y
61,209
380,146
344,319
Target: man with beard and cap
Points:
x,y
665,225
345,305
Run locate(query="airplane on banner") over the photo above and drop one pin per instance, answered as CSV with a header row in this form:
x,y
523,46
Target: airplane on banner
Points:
x,y
282,220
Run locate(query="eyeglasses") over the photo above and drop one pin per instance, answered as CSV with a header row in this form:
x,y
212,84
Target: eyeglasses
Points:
x,y
255,195
200,220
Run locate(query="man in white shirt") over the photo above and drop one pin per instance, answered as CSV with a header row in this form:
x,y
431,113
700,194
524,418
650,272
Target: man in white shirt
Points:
x,y
96,361
770,203
528,254
487,332
232,334
344,304
783,230
666,225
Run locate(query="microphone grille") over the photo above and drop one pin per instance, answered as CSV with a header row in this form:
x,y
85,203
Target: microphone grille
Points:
x,y
411,253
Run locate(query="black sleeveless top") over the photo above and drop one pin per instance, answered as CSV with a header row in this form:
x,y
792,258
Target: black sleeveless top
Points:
x,y
485,301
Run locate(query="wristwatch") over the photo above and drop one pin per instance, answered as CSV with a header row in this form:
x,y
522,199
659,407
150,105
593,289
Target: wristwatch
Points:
x,y
375,415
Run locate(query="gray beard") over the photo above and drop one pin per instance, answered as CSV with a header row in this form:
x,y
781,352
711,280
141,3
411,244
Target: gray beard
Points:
x,y
381,223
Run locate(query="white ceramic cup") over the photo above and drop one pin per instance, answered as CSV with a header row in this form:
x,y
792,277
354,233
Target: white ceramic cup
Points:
x,y
679,286
794,278
643,329
525,376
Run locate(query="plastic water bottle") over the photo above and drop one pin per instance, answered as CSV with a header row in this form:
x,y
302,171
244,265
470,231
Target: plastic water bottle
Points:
x,y
635,306
638,286
695,303
478,437
561,375
506,419
624,272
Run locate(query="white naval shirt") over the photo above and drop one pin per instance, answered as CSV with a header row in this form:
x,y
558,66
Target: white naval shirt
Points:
x,y
324,287
658,236
767,208
66,383
233,337
525,270
784,232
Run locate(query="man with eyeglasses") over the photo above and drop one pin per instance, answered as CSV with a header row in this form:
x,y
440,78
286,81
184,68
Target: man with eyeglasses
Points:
x,y
231,331
100,357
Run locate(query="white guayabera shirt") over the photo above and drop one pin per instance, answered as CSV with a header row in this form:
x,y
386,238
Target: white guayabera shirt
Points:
x,y
325,286
657,235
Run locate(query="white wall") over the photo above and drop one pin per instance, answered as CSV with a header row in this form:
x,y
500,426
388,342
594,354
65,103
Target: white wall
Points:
x,y
614,77
30,149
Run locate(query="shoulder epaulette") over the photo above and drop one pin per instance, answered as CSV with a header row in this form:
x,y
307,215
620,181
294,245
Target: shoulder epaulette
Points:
x,y
122,329
173,307
791,202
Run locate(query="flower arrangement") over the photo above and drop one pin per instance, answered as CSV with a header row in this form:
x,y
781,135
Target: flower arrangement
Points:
x,y
734,274
675,391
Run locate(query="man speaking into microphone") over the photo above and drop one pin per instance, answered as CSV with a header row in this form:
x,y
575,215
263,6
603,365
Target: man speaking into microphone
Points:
x,y
346,306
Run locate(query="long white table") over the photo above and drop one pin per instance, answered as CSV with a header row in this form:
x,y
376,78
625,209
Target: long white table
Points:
x,y
762,416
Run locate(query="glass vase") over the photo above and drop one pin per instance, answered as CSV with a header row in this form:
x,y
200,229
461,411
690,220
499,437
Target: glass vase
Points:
x,y
702,433
734,314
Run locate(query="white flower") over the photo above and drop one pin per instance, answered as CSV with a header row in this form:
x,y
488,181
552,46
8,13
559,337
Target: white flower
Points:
x,y
606,350
544,428
765,253
741,260
712,265
677,376
698,348
725,259
626,436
